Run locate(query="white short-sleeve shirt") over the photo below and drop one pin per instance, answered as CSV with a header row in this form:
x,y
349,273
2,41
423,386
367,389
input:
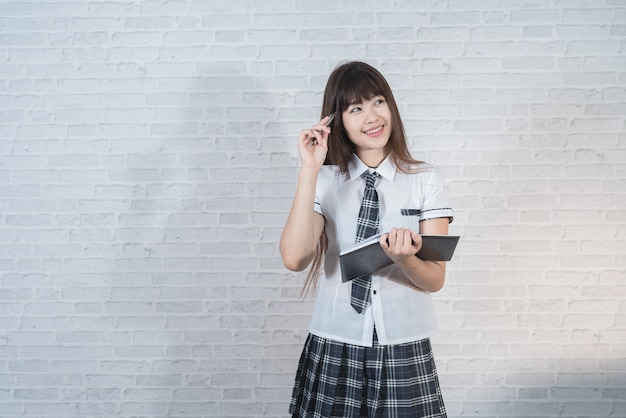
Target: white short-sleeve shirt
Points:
x,y
400,311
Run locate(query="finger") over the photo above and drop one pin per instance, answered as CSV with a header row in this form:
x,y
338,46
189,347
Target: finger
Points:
x,y
384,241
406,237
416,239
306,135
401,238
314,140
391,237
321,130
309,136
322,140
317,133
397,237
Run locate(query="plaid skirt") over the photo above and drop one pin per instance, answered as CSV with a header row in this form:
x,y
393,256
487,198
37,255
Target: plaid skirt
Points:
x,y
350,381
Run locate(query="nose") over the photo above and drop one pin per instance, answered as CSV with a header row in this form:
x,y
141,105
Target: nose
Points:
x,y
370,114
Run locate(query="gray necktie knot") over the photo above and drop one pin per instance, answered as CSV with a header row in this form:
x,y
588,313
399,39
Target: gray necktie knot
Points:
x,y
370,178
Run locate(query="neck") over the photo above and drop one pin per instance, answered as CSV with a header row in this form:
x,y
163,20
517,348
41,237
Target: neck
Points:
x,y
372,159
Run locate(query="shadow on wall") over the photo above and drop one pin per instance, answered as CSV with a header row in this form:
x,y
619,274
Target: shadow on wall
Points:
x,y
536,387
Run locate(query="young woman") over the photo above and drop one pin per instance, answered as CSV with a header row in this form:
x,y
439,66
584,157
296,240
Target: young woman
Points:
x,y
372,360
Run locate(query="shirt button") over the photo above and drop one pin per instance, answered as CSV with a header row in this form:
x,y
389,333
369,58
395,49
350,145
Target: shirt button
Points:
x,y
374,292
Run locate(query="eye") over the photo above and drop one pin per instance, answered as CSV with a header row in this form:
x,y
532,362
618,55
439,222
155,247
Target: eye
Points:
x,y
379,101
355,109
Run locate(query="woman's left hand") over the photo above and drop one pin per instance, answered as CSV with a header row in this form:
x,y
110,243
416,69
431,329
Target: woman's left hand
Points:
x,y
401,243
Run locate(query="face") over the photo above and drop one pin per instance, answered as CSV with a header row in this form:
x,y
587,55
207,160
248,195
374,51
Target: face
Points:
x,y
368,125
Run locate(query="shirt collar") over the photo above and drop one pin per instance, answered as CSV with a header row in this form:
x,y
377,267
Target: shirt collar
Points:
x,y
386,169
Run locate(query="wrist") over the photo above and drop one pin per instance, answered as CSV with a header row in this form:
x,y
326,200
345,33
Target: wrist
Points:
x,y
406,261
309,170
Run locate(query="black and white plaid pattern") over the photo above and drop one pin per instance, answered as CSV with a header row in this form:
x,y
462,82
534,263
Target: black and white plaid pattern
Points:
x,y
367,225
350,381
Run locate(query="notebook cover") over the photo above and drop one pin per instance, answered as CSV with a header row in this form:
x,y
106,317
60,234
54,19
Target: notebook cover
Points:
x,y
368,256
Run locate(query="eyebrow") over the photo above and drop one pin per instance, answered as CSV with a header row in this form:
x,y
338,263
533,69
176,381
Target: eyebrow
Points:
x,y
360,99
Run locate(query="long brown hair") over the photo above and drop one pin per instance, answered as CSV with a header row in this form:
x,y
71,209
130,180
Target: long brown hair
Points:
x,y
349,83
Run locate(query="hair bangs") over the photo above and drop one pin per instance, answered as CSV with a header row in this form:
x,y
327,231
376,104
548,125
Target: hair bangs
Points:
x,y
356,87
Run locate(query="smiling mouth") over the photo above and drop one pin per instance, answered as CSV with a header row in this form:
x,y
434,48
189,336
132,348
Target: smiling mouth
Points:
x,y
374,131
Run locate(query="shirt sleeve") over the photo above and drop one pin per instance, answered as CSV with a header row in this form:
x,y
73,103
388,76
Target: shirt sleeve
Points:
x,y
317,203
317,207
325,179
436,199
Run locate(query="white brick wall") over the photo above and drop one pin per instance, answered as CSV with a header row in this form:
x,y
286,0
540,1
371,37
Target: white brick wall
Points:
x,y
147,163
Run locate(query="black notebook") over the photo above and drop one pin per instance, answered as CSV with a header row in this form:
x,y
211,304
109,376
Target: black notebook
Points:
x,y
368,256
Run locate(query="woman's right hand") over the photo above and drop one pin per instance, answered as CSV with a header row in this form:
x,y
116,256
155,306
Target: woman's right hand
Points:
x,y
313,144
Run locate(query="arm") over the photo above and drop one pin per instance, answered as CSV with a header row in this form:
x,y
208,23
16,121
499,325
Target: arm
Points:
x,y
402,244
303,228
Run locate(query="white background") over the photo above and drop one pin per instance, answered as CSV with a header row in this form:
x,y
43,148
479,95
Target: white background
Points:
x,y
147,165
